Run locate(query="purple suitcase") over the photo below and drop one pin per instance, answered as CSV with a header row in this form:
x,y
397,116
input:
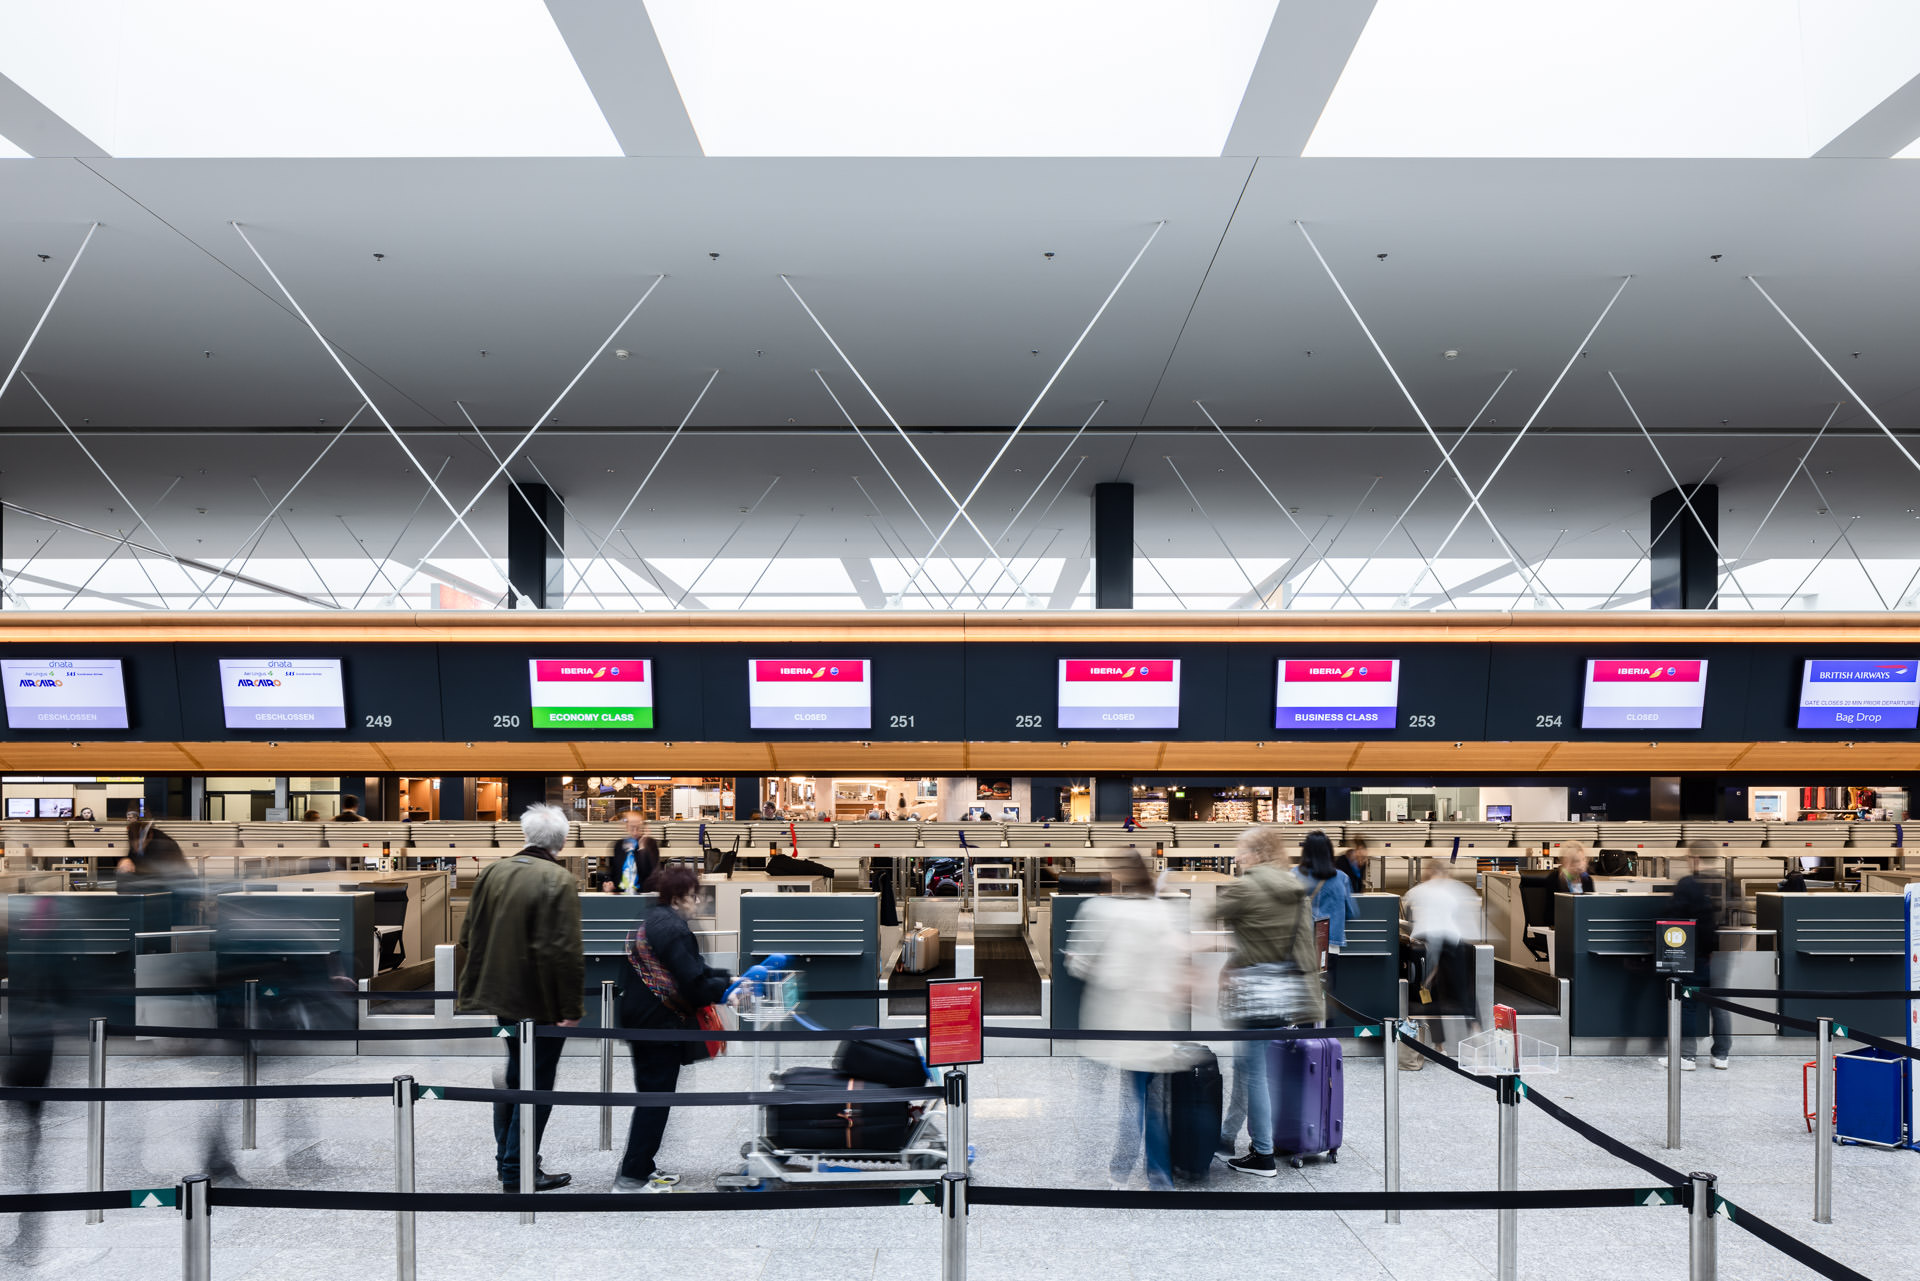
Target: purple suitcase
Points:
x,y
1309,1098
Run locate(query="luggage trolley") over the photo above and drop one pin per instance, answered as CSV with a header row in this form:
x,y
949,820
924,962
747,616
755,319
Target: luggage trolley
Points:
x,y
773,1004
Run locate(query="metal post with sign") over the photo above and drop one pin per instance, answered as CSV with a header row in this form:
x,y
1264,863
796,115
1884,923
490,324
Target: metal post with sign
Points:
x,y
955,1038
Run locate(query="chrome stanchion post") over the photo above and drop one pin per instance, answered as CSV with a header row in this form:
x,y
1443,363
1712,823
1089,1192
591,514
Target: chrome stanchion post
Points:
x,y
1509,1220
1673,1065
1823,1127
953,1183
606,1065
1391,1131
1702,1265
957,1140
403,1236
250,1066
529,1142
96,1114
196,1228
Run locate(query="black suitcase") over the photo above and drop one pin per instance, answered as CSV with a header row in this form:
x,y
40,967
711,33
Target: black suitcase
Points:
x,y
893,1064
1193,1123
852,1126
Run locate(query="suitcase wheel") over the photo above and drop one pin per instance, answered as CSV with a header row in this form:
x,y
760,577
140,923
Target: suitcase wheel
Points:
x,y
1333,1157
1296,1162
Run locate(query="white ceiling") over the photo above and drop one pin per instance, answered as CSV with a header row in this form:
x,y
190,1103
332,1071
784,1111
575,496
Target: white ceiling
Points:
x,y
931,273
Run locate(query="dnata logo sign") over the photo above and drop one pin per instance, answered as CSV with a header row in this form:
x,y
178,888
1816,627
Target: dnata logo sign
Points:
x,y
39,682
259,682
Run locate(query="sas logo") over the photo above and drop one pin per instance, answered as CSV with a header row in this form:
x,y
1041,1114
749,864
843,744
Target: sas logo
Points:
x,y
43,682
263,682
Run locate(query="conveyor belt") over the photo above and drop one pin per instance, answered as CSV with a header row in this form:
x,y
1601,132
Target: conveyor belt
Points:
x,y
1520,1001
1012,984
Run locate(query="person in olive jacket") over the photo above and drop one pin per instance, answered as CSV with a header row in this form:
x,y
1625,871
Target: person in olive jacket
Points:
x,y
525,961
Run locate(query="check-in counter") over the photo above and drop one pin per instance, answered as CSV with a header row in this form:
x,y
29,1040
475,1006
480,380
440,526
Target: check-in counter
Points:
x,y
426,922
717,920
1201,889
1604,948
305,941
1365,976
833,940
85,942
1840,943
607,921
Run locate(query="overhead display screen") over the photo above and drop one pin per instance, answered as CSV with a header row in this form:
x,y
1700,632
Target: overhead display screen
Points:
x,y
65,693
1644,693
601,693
1337,693
1109,693
282,693
810,693
1859,693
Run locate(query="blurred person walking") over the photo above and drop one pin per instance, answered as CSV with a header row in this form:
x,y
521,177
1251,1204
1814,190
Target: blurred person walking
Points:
x,y
1131,951
525,961
1444,918
1697,898
349,811
1353,864
670,986
1572,876
1271,980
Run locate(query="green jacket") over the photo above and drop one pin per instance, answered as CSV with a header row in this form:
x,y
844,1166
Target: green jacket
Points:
x,y
522,940
1271,915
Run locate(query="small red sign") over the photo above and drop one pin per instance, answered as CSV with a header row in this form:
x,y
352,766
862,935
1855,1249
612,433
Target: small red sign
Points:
x,y
1302,670
954,1010
1674,671
1090,669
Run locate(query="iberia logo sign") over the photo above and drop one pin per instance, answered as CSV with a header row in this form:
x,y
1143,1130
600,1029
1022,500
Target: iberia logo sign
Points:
x,y
1676,671
1107,669
1337,669
798,669
563,669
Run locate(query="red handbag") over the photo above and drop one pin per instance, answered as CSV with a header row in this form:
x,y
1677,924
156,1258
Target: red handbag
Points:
x,y
708,1020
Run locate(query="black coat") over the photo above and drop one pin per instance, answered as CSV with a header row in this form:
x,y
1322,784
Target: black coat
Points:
x,y
696,982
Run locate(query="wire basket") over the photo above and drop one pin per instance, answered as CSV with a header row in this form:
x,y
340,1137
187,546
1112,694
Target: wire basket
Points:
x,y
771,999
1479,1055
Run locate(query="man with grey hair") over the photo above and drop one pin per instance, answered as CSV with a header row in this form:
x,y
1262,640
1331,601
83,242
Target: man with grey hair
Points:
x,y
521,937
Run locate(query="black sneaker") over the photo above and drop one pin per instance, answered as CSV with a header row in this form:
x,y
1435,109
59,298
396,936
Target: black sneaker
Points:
x,y
1260,1163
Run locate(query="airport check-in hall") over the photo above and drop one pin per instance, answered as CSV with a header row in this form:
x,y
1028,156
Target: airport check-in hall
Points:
x,y
828,639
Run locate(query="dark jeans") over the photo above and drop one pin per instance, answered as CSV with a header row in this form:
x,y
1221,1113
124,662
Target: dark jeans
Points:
x,y
656,1070
1695,1014
506,1116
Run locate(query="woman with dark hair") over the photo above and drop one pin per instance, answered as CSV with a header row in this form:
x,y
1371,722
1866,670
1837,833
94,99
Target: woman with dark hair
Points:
x,y
1332,892
669,986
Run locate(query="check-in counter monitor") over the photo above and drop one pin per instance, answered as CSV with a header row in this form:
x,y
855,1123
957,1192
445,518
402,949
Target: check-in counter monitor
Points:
x,y
70,953
1603,944
607,921
303,945
1840,943
1365,976
834,940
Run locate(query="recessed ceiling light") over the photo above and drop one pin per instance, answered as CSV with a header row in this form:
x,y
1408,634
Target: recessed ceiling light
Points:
x,y
992,78
347,78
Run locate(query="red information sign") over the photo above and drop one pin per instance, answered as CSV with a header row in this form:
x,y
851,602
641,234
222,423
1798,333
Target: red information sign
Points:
x,y
953,1022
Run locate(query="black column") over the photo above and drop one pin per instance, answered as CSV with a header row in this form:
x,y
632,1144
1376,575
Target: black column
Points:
x,y
529,789
746,795
1113,545
453,797
1685,571
1112,800
535,562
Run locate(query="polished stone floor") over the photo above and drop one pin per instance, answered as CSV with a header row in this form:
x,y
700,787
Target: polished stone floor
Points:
x,y
1036,1122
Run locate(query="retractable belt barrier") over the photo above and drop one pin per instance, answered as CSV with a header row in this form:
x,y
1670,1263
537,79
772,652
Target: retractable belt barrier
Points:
x,y
1797,995
1840,1030
1794,1248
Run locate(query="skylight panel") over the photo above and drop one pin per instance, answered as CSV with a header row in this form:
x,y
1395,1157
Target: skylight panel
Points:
x,y
1635,78
238,78
983,78
10,152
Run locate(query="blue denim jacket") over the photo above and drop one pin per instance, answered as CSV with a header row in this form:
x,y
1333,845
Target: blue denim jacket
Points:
x,y
1332,902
